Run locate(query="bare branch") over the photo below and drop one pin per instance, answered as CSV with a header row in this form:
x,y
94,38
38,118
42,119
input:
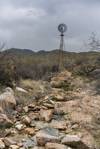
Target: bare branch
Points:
x,y
2,46
94,43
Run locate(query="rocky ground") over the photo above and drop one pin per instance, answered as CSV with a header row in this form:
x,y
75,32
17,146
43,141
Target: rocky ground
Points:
x,y
65,117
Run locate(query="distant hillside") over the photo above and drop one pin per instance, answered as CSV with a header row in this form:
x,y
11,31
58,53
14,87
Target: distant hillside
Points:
x,y
52,57
18,51
56,51
24,63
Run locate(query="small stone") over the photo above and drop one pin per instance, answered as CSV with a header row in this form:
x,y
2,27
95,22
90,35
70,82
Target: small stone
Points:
x,y
14,147
19,126
48,105
55,146
32,124
31,106
46,114
29,131
58,124
13,131
25,109
26,120
75,126
33,116
58,97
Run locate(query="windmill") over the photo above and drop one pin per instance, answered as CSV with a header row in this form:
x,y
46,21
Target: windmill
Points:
x,y
62,28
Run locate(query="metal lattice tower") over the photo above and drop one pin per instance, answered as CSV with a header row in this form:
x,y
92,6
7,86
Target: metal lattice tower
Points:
x,y
62,28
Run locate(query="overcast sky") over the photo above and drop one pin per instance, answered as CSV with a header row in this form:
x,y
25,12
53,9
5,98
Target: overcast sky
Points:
x,y
32,24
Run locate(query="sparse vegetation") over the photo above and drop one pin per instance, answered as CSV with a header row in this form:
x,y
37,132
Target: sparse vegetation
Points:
x,y
18,64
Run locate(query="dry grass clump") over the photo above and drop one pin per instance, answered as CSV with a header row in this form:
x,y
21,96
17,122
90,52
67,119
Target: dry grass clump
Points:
x,y
35,90
31,85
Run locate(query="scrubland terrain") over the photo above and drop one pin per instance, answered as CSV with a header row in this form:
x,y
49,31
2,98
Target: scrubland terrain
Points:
x,y
16,64
45,109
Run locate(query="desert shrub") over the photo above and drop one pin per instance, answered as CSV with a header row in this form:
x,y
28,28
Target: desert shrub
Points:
x,y
7,74
84,69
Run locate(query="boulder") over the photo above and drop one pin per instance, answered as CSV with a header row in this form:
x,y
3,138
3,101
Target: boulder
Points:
x,y
7,100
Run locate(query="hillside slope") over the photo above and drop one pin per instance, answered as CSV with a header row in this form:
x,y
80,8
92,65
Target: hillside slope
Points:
x,y
62,113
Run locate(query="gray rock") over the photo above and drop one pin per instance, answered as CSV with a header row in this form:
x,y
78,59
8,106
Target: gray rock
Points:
x,y
47,135
39,124
28,143
74,141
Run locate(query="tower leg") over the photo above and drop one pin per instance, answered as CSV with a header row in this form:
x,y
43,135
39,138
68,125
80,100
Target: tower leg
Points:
x,y
61,56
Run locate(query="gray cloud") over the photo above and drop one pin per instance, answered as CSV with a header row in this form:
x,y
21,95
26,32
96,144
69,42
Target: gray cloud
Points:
x,y
33,24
